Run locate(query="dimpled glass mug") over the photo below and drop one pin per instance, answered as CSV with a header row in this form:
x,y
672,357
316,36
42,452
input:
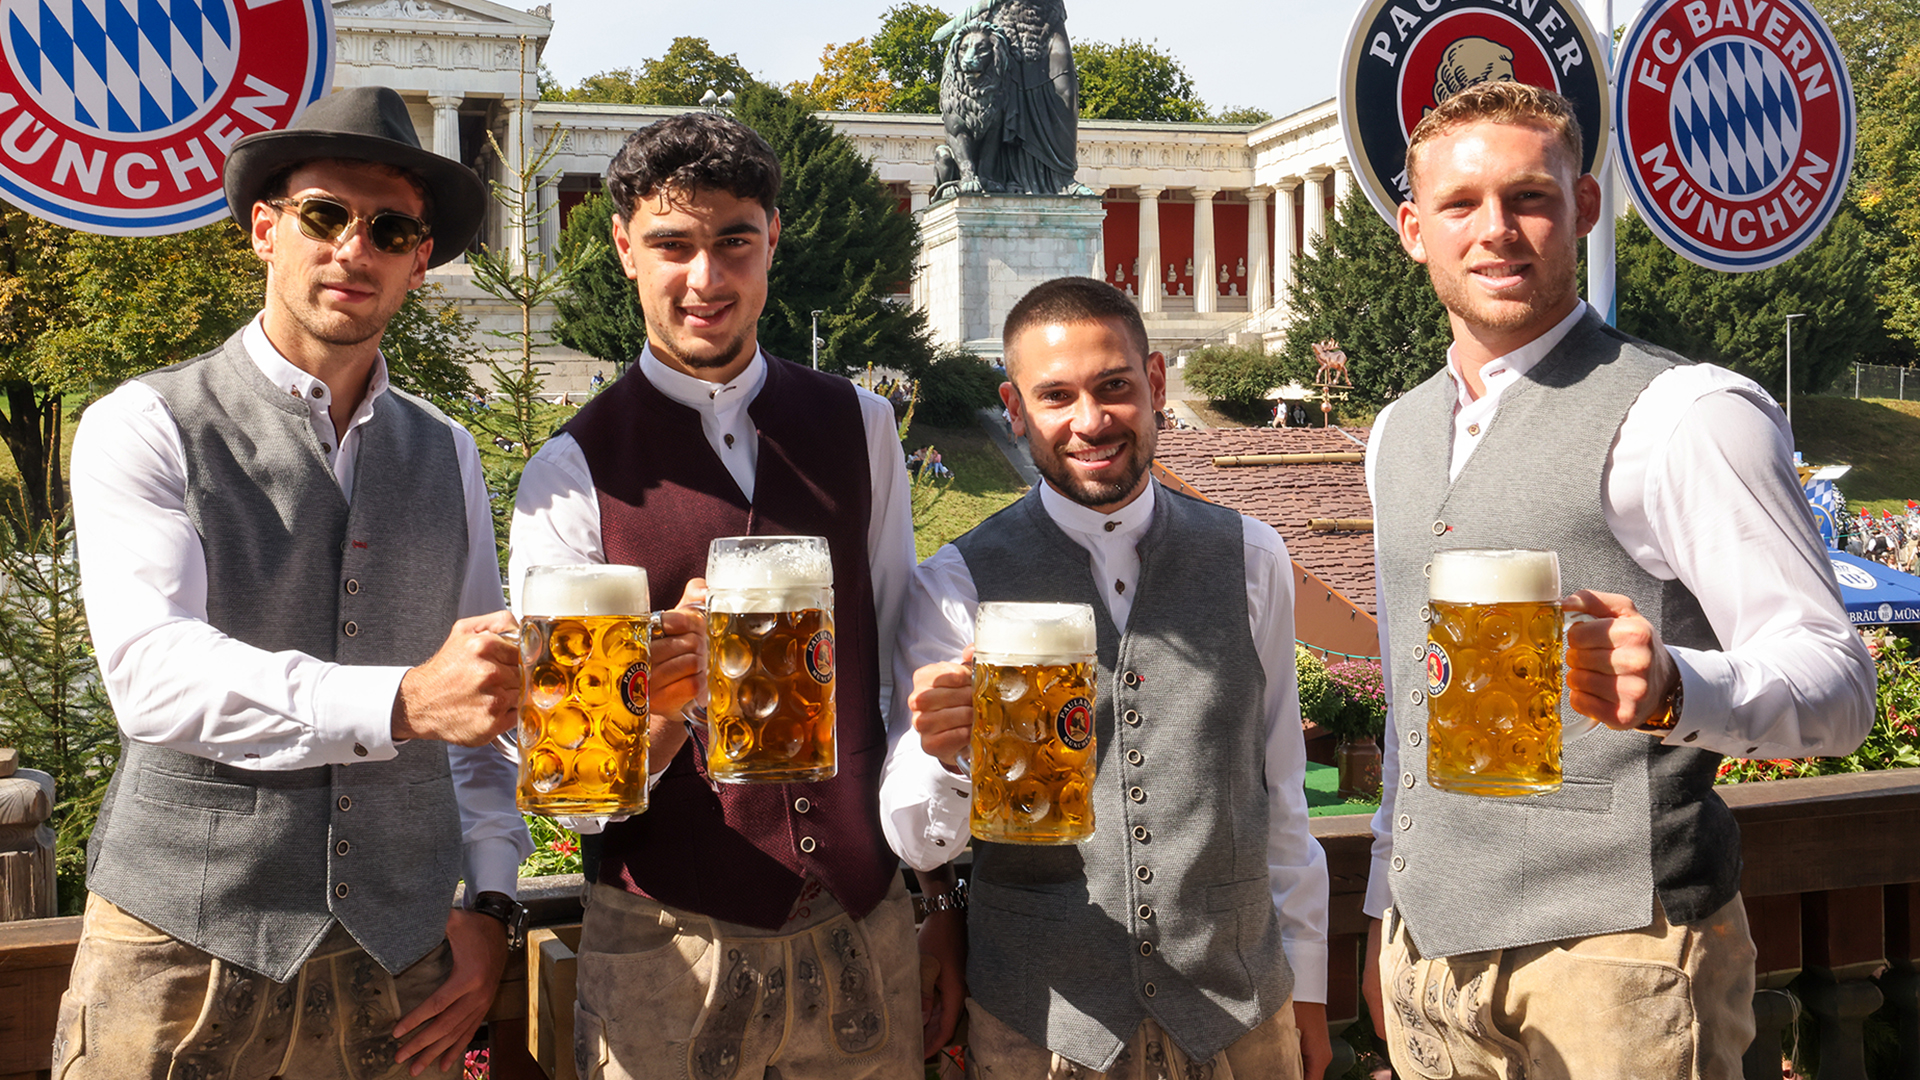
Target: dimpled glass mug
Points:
x,y
1032,752
1495,642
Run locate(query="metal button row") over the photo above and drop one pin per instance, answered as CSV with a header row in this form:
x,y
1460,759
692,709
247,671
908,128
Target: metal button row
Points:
x,y
1413,737
1133,757
1131,678
342,848
353,587
352,628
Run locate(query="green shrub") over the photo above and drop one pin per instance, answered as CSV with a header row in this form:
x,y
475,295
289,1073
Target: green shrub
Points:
x,y
954,386
1237,373
1353,704
1894,742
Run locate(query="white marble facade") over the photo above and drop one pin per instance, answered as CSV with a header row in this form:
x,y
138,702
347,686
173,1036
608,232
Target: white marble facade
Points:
x,y
466,69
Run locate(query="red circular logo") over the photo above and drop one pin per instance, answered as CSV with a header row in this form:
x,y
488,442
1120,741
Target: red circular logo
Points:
x,y
634,687
820,657
1735,127
116,116
1074,723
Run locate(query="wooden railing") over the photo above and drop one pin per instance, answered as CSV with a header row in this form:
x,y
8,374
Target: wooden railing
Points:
x,y
1831,883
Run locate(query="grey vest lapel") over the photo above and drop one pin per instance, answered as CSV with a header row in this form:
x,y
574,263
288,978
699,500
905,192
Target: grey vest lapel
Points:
x,y
1177,866
255,866
1471,874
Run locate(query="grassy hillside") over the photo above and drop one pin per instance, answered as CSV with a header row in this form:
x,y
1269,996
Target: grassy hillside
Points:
x,y
1879,437
983,483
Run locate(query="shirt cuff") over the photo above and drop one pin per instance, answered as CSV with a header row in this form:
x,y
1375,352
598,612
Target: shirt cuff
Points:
x,y
1379,890
949,808
492,865
1308,959
353,712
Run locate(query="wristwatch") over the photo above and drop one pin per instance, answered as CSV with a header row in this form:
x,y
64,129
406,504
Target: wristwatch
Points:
x,y
1669,715
511,913
953,900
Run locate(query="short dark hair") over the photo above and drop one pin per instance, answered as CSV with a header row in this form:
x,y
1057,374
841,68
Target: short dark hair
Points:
x,y
699,151
1076,300
1499,102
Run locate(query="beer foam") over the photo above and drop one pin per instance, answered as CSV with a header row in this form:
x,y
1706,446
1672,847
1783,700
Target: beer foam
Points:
x,y
1036,632
549,591
768,562
1494,577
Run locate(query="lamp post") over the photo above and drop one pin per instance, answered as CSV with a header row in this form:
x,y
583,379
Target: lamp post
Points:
x,y
816,339
1789,390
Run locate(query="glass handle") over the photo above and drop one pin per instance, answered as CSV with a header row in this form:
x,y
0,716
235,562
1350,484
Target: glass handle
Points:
x,y
1581,723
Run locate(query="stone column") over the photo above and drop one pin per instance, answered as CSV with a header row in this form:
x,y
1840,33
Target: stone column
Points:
x,y
1206,269
1342,183
1283,242
446,124
1148,278
1316,217
922,194
548,197
514,237
1259,266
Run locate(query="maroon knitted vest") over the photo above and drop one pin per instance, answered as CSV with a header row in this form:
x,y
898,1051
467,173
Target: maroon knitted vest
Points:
x,y
739,852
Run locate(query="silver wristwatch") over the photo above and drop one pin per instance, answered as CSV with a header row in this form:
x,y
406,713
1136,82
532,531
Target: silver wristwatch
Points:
x,y
952,900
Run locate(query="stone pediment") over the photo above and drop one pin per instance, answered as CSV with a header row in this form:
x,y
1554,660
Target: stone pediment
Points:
x,y
431,12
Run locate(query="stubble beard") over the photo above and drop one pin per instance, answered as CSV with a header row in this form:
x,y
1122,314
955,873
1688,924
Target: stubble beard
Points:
x,y
337,328
735,349
1092,493
1503,316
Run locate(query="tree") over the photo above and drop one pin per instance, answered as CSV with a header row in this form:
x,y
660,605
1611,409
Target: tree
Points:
x,y
1887,185
850,80
845,248
428,345
1243,115
905,50
1359,288
599,313
687,70
1134,81
1738,320
1241,374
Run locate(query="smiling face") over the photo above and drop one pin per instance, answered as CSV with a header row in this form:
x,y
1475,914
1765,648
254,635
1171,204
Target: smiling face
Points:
x,y
1086,400
1496,214
700,262
321,298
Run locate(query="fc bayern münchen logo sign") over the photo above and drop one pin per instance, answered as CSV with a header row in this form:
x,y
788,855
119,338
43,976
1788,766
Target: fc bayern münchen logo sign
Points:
x,y
116,115
1406,56
1736,127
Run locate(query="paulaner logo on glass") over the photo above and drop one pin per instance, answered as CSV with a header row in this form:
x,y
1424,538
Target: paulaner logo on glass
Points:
x,y
1735,127
117,115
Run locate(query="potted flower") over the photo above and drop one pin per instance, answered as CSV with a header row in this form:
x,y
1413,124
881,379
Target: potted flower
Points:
x,y
1352,705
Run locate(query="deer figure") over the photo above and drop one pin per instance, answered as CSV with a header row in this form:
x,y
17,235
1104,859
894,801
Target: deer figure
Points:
x,y
1333,364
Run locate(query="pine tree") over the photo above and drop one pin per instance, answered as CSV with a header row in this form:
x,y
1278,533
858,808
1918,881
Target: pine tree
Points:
x,y
599,313
1359,288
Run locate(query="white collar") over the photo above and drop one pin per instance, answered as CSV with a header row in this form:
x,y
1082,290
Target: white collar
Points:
x,y
297,382
1076,518
1521,360
698,393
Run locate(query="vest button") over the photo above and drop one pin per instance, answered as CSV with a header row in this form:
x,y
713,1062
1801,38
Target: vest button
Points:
x,y
353,587
340,890
352,628
1426,614
1146,948
342,848
1417,697
1131,678
1148,990
1146,911
801,805
807,844
1140,833
1399,863
1406,822
1133,757
1137,793
1419,652
1143,873
1131,717
1413,738
1406,779
1439,528
346,802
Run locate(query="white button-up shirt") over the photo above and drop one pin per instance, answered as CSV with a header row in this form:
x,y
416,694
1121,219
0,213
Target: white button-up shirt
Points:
x,y
924,808
178,682
1794,679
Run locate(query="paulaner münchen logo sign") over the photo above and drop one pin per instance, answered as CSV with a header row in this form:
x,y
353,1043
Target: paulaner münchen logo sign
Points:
x,y
1735,129
116,115
1403,57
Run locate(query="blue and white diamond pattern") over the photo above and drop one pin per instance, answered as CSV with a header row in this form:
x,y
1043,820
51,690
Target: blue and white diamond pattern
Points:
x,y
1736,118
126,67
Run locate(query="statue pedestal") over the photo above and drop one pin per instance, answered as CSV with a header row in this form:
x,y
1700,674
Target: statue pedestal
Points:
x,y
979,254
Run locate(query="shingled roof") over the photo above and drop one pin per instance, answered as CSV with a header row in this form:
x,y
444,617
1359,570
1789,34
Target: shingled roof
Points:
x,y
1286,496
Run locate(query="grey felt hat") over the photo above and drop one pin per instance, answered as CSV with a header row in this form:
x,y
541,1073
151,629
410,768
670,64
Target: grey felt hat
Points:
x,y
366,123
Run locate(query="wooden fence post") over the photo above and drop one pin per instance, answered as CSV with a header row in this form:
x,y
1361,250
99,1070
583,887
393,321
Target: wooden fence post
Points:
x,y
26,843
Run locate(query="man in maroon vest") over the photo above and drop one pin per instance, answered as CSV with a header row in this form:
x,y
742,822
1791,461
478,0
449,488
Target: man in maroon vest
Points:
x,y
760,929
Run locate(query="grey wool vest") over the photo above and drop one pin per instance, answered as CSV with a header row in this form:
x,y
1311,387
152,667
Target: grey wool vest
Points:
x,y
1166,911
254,866
1633,818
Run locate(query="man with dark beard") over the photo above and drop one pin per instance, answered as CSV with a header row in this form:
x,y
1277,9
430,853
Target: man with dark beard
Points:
x,y
723,922
1188,936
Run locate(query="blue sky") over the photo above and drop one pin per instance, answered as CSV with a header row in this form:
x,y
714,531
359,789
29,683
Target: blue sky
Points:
x,y
1279,56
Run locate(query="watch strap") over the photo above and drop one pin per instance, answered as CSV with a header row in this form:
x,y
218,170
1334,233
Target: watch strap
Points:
x,y
954,899
511,913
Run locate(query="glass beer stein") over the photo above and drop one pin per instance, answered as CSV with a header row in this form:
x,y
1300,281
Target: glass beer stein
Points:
x,y
770,656
1032,753
1493,666
584,650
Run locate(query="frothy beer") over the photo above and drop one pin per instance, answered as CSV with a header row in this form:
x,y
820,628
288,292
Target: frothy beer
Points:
x,y
584,634
1493,657
1032,752
770,659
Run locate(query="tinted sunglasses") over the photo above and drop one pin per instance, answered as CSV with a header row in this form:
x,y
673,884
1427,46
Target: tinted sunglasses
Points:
x,y
327,220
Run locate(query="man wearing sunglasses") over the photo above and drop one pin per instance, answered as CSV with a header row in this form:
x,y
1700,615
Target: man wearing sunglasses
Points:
x,y
274,543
